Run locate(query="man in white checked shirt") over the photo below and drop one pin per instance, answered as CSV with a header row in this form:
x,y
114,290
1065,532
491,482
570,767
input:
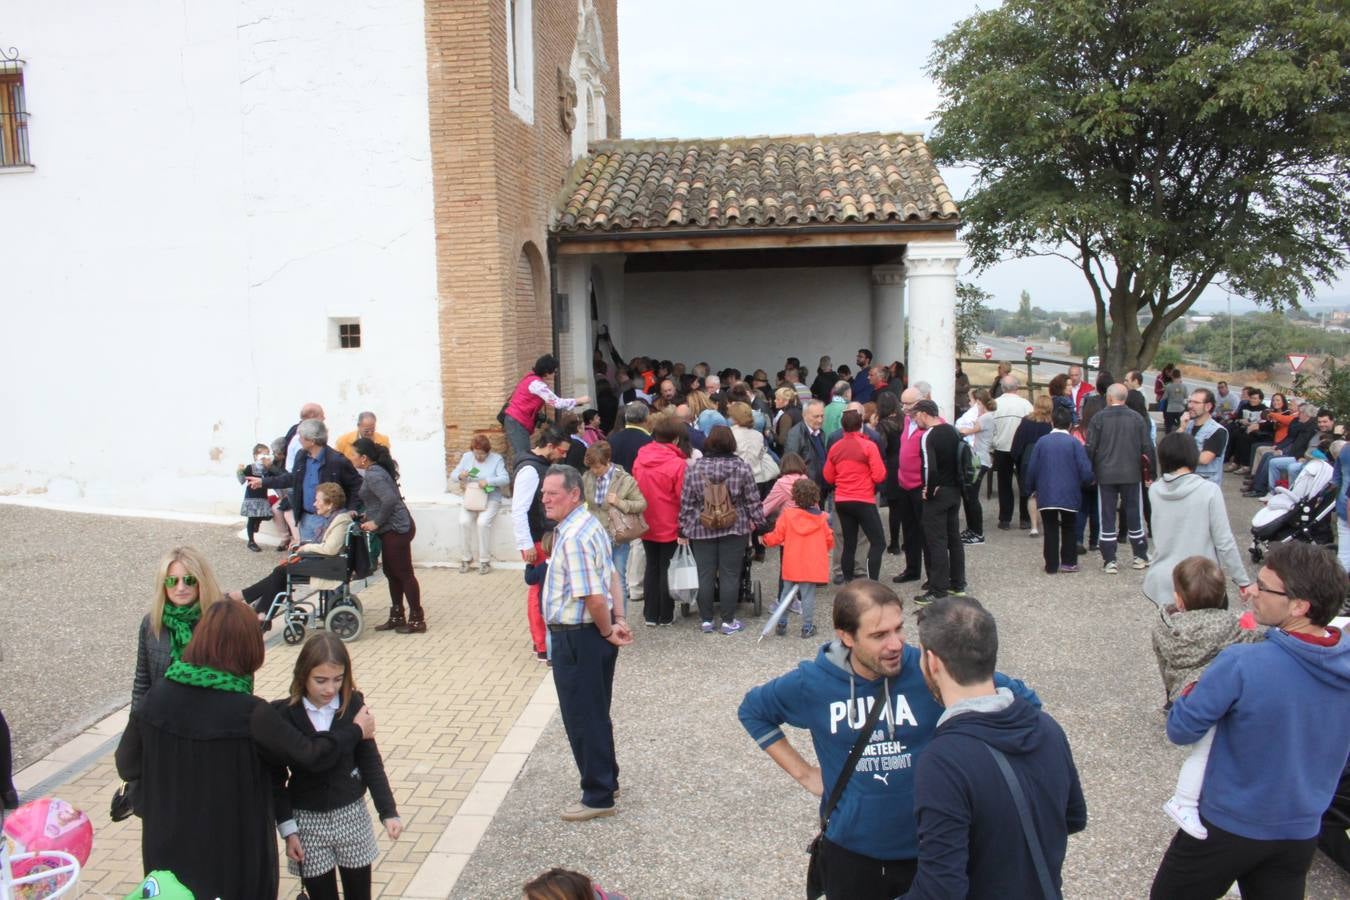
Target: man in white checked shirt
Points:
x,y
587,632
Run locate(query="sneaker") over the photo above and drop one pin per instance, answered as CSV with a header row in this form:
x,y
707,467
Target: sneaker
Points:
x,y
484,568
707,627
1004,526
649,623
1081,550
1187,818
839,579
973,540
1033,533
583,813
1072,568
541,655
1139,563
464,567
926,598
957,592
732,627
906,576
1110,568
781,627
808,631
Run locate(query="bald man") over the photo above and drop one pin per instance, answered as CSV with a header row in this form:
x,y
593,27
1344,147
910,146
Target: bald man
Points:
x,y
1117,442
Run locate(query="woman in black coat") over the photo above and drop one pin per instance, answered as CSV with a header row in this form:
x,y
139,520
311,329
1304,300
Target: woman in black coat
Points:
x,y
202,747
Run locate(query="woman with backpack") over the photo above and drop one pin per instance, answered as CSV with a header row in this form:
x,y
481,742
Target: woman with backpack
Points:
x,y
719,508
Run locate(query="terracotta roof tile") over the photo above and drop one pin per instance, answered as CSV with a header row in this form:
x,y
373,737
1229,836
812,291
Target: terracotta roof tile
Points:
x,y
654,185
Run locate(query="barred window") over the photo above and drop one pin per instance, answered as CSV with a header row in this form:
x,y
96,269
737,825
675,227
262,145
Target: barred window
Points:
x,y
344,334
13,115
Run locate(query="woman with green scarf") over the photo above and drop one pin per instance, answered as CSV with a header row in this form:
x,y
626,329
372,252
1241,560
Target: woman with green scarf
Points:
x,y
203,746
184,588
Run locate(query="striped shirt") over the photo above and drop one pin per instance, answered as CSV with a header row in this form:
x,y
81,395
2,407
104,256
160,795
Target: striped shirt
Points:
x,y
581,565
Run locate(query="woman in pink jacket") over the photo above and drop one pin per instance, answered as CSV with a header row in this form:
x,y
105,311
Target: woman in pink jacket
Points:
x,y
854,467
659,470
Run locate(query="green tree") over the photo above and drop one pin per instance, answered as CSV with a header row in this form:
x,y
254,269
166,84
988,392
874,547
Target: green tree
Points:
x,y
971,314
1329,388
1024,322
1158,146
1083,340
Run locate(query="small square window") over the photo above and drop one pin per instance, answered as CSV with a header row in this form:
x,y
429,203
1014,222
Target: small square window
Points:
x,y
344,334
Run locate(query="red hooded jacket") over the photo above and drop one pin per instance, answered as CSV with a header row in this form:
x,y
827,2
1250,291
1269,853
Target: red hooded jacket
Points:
x,y
807,540
659,470
855,468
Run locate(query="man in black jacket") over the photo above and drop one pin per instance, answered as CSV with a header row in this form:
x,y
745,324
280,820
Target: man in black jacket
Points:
x,y
1295,444
1119,445
625,443
317,464
826,376
971,840
940,448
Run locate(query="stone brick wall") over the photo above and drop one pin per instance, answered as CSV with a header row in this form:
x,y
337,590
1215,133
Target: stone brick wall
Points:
x,y
497,180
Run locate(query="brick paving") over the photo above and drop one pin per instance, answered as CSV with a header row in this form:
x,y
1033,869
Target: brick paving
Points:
x,y
444,701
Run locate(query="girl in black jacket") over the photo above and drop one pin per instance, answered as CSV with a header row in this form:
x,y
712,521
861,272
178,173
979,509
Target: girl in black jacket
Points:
x,y
322,813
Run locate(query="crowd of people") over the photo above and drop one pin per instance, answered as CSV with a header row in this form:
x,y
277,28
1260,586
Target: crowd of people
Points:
x,y
727,465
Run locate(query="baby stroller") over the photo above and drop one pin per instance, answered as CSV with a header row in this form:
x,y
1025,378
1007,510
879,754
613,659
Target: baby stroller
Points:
x,y
749,589
1304,511
333,605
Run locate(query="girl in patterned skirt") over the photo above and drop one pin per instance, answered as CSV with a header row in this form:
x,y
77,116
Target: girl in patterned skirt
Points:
x,y
322,815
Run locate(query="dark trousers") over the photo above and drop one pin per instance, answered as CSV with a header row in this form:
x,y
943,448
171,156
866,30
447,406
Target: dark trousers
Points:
x,y
355,884
855,514
850,875
1239,443
517,437
259,595
1087,515
1171,420
398,569
893,520
942,530
252,526
657,604
1061,545
911,522
971,500
1203,870
6,759
583,673
1004,469
719,567
1130,496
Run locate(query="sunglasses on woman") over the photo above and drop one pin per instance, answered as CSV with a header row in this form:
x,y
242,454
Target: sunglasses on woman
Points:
x,y
171,581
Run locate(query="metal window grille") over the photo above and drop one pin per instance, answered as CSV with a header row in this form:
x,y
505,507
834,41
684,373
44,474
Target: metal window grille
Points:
x,y
349,335
13,111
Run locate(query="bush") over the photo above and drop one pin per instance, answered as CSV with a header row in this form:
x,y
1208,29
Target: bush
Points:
x,y
1083,340
1167,355
1329,388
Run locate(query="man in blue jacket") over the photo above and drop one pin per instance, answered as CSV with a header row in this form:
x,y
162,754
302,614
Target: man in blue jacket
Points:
x,y
1280,710
971,838
870,846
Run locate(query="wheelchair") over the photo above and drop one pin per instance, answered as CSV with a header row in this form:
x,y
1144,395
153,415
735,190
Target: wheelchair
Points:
x,y
337,609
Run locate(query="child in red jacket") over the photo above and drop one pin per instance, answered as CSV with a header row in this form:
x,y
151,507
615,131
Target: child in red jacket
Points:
x,y
806,536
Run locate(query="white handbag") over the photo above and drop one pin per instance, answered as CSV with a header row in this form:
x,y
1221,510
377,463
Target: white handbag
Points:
x,y
475,498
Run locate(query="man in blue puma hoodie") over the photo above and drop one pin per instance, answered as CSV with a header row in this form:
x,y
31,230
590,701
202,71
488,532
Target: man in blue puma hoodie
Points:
x,y
870,845
1280,710
971,839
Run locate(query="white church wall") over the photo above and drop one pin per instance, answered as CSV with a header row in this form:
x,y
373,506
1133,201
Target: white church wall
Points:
x,y
749,318
212,184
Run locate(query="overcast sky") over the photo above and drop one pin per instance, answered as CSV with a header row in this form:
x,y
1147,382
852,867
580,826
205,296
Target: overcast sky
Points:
x,y
721,68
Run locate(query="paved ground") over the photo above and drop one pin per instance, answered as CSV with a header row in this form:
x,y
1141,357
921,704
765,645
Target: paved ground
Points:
x,y
705,813
73,590
443,702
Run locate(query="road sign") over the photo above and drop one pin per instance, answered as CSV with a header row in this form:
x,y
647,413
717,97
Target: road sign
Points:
x,y
1296,361
1030,350
988,352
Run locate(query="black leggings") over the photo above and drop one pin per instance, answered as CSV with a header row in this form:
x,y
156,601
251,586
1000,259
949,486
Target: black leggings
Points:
x,y
6,758
355,884
253,523
855,514
970,497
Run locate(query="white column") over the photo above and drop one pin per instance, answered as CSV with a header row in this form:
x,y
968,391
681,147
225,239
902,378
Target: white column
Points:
x,y
931,272
888,314
574,277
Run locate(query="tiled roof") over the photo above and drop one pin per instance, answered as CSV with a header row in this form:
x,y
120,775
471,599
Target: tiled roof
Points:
x,y
732,183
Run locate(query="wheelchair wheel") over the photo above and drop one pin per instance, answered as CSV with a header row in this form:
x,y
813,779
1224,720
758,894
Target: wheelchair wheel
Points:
x,y
758,599
346,622
293,633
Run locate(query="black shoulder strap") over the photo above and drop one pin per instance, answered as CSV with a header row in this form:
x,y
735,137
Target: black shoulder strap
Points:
x,y
853,756
1028,827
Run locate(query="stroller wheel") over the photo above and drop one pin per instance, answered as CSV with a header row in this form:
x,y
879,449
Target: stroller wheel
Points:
x,y
346,622
294,633
759,599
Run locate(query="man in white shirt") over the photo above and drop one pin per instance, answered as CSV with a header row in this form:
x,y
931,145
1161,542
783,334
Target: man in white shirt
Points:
x,y
528,522
1011,409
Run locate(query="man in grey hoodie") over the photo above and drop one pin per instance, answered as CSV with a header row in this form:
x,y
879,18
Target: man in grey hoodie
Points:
x,y
1119,446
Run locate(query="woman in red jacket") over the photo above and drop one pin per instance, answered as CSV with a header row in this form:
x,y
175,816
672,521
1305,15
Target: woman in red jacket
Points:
x,y
854,467
659,470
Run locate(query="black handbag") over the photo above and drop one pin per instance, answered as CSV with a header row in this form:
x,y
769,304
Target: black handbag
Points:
x,y
123,804
815,883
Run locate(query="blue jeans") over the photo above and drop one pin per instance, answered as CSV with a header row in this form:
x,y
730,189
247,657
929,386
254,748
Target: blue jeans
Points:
x,y
312,527
806,593
620,559
1282,466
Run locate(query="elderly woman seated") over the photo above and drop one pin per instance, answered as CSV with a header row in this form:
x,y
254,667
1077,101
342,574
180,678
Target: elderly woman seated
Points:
x,y
329,498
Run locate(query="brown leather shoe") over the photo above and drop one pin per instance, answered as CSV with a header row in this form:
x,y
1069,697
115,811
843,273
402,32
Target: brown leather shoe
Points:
x,y
396,621
413,626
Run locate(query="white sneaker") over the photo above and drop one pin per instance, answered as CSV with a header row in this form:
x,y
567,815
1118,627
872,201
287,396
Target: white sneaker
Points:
x,y
1187,818
1033,533
1139,563
1110,568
